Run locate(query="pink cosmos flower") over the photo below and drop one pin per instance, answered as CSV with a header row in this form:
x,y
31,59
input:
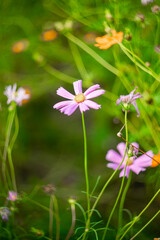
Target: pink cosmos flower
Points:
x,y
12,196
81,100
18,96
129,99
134,163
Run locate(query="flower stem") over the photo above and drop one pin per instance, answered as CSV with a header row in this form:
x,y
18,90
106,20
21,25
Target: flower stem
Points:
x,y
106,184
85,164
135,220
122,203
51,217
10,121
145,225
71,231
122,183
12,169
57,218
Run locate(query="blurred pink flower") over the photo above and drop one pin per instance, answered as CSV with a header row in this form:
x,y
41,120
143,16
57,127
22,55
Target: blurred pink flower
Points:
x,y
18,96
12,196
134,163
129,99
80,99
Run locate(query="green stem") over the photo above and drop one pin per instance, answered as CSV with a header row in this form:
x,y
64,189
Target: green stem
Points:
x,y
104,187
12,169
85,163
122,183
145,225
135,220
93,54
57,218
71,231
51,217
122,203
7,138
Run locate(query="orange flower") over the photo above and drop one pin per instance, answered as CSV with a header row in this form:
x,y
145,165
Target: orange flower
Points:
x,y
28,92
49,35
20,46
107,41
155,160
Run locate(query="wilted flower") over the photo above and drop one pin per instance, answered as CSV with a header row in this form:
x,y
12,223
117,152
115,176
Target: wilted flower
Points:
x,y
107,41
145,2
49,189
155,160
131,161
155,9
90,37
80,99
157,48
5,213
49,35
18,96
20,46
147,64
140,17
12,196
129,99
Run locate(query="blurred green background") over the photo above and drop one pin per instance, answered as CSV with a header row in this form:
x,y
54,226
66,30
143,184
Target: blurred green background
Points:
x,y
49,148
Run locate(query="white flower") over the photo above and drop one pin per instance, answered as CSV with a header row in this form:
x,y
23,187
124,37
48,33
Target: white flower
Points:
x,y
17,96
145,2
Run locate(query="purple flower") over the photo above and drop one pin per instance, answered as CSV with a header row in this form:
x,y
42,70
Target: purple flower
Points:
x,y
129,99
134,163
12,196
5,213
80,99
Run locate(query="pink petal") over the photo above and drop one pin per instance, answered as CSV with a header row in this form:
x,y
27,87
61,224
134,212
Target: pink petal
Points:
x,y
62,104
95,94
91,89
68,110
77,87
112,165
126,173
144,161
135,145
113,156
136,169
121,148
92,104
83,107
64,93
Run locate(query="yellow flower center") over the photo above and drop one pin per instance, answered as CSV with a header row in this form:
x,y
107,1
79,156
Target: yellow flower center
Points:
x,y
129,161
79,98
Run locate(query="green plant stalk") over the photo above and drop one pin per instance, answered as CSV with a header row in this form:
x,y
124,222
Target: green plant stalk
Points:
x,y
71,231
122,203
140,64
93,54
10,121
135,220
122,183
102,191
12,169
145,225
51,217
78,60
55,203
85,164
